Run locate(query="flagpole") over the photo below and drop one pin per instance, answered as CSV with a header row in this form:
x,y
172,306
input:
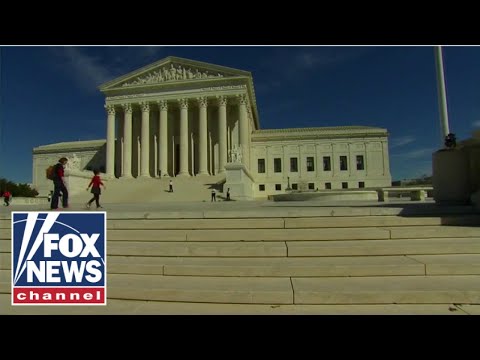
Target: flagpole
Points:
x,y
442,95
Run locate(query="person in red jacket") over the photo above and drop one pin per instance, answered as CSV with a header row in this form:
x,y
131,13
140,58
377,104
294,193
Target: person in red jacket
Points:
x,y
6,198
96,191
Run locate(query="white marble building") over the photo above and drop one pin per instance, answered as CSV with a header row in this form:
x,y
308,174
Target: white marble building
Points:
x,y
184,118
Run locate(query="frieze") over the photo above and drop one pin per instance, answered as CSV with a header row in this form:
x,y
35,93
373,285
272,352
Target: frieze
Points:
x,y
134,96
225,87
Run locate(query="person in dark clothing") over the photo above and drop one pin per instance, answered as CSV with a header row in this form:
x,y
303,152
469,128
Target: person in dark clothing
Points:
x,y
96,191
228,194
59,185
214,195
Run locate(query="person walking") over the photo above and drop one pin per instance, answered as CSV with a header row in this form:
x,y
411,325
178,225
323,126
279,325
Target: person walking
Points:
x,y
170,186
59,185
228,194
6,198
95,183
214,195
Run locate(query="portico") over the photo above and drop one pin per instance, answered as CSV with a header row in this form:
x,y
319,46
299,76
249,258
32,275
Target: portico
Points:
x,y
165,121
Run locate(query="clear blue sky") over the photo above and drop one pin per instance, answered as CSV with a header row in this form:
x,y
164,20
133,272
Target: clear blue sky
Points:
x,y
49,94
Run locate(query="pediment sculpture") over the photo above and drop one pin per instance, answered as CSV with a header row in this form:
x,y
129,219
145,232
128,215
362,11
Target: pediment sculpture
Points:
x,y
172,73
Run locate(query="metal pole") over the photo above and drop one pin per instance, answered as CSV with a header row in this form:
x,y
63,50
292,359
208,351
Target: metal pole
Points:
x,y
442,95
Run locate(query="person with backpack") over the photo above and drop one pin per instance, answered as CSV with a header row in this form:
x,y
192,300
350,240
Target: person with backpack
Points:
x,y
59,185
96,191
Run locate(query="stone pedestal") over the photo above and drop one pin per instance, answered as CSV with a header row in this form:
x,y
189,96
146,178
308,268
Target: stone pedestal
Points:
x,y
451,177
239,180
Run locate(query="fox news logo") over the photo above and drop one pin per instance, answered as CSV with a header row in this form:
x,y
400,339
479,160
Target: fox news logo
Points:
x,y
59,258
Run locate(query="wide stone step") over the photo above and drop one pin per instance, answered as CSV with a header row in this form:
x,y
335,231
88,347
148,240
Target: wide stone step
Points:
x,y
267,267
244,290
461,264
5,246
388,290
250,234
384,247
209,249
5,261
379,221
196,224
410,232
5,282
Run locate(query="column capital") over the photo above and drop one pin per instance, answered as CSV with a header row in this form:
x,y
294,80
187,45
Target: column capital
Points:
x,y
222,100
110,109
183,103
162,104
145,106
242,99
202,101
127,108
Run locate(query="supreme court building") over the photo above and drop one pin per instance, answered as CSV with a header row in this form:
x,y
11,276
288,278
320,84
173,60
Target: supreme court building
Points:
x,y
185,118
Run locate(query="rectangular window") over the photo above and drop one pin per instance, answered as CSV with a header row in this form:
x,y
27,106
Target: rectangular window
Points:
x,y
294,186
261,187
361,184
311,186
343,163
278,186
310,164
327,165
360,164
344,185
261,166
328,186
277,165
293,164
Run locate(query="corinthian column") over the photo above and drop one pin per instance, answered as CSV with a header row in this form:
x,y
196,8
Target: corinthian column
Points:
x,y
163,140
110,158
222,133
243,125
202,139
144,142
183,137
127,144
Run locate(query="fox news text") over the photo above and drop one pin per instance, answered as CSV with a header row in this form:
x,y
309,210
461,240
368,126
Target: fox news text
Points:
x,y
59,258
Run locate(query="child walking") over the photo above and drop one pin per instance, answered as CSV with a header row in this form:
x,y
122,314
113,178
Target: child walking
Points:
x,y
95,184
6,198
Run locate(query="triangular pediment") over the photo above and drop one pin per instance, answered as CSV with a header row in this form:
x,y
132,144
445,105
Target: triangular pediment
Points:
x,y
173,69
